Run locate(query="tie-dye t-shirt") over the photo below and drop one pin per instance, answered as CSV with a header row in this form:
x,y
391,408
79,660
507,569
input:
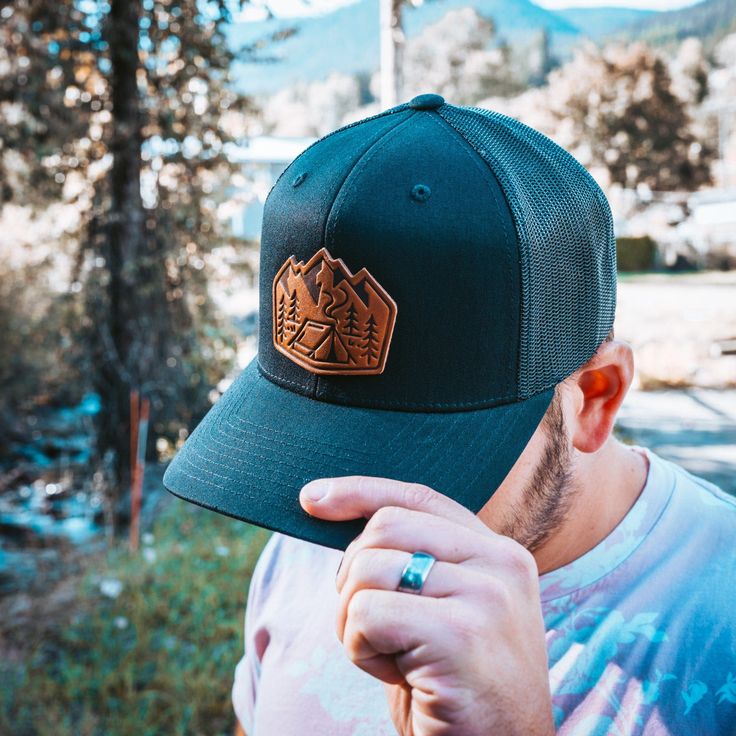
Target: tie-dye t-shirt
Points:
x,y
641,629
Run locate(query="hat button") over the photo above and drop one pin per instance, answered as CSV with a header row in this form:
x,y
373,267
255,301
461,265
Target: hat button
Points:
x,y
426,102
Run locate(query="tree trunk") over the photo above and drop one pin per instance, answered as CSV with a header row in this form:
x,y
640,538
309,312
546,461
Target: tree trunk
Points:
x,y
125,243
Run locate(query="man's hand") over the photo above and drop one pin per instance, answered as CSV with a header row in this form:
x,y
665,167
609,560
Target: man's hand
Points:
x,y
467,656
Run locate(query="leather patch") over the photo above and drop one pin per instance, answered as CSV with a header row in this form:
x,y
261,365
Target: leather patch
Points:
x,y
330,321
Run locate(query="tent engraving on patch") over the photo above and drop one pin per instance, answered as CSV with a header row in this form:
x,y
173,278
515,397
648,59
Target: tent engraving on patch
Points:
x,y
330,321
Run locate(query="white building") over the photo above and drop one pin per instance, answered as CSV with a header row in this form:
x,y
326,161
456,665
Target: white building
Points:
x,y
263,158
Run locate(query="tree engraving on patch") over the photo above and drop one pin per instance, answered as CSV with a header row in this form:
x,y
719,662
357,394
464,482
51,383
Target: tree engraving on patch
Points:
x,y
330,321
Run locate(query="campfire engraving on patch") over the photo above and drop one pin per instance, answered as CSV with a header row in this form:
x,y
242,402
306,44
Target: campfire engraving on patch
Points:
x,y
330,321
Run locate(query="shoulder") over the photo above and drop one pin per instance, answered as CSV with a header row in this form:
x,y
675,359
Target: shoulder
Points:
x,y
289,566
695,538
689,548
701,499
266,568
684,599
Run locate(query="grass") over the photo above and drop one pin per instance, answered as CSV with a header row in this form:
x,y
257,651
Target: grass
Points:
x,y
156,659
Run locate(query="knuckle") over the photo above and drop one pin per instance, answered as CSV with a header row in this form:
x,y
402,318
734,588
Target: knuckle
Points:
x,y
464,624
362,564
497,596
417,495
359,606
355,643
383,520
363,484
519,562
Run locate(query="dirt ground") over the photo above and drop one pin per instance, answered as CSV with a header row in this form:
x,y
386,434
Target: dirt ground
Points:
x,y
676,325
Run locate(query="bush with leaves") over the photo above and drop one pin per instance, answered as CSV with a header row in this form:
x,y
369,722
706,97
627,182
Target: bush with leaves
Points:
x,y
620,112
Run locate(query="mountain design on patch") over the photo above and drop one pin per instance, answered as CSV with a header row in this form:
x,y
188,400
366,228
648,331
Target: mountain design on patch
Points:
x,y
330,321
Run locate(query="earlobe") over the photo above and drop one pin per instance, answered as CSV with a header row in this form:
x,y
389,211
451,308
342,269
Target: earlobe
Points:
x,y
602,384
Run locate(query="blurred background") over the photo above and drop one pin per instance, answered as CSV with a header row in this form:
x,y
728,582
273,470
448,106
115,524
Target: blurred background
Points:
x,y
138,142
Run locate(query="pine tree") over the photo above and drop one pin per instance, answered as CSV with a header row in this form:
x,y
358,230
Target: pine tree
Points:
x,y
371,343
352,329
292,314
281,327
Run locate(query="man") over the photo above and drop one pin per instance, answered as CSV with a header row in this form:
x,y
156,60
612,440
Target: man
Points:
x,y
434,394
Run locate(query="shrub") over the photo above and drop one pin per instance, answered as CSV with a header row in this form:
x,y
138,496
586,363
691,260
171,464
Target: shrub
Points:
x,y
155,657
636,254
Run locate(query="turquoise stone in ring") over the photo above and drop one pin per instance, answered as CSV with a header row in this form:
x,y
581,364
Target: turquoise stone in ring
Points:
x,y
415,572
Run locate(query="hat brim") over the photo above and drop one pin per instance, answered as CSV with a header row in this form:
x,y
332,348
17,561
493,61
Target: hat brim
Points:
x,y
260,443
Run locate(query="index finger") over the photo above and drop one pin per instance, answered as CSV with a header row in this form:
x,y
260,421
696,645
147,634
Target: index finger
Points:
x,y
360,496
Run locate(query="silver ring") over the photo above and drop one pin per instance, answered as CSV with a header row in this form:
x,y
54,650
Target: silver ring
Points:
x,y
415,573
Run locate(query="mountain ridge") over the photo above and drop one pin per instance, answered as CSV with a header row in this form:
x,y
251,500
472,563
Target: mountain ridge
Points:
x,y
306,57
347,27
709,20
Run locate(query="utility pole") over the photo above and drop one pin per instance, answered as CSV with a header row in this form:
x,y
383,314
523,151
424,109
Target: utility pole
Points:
x,y
392,46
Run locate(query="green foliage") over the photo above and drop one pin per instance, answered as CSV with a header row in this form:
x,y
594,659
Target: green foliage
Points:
x,y
465,61
43,116
119,110
636,254
710,21
38,358
159,658
619,101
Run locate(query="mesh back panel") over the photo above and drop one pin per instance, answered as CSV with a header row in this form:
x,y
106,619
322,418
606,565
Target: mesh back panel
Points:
x,y
565,232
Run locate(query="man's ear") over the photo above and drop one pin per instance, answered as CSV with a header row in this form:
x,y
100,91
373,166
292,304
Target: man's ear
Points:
x,y
599,388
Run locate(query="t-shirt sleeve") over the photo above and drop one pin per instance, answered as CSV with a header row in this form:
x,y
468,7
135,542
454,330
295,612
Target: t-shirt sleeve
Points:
x,y
248,669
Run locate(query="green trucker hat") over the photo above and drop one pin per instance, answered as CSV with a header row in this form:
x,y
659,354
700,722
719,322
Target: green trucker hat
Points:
x,y
427,276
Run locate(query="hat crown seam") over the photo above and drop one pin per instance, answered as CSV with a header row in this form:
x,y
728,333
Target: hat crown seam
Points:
x,y
485,168
333,215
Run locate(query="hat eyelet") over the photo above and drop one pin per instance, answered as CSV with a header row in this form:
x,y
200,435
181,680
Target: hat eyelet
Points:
x,y
298,179
420,192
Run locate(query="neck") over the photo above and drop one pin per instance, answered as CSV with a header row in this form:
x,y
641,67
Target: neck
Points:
x,y
607,484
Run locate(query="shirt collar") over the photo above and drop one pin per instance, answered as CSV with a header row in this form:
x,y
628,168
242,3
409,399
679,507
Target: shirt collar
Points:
x,y
626,536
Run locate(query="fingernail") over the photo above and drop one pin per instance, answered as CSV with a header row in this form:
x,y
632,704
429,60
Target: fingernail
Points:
x,y
314,491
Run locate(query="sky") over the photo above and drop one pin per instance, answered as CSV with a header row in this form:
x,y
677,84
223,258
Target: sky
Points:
x,y
288,8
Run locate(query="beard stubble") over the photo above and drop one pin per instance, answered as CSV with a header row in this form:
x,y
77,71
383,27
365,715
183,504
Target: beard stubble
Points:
x,y
546,499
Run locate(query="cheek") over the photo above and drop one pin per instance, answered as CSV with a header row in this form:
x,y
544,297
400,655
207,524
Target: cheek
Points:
x,y
511,491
